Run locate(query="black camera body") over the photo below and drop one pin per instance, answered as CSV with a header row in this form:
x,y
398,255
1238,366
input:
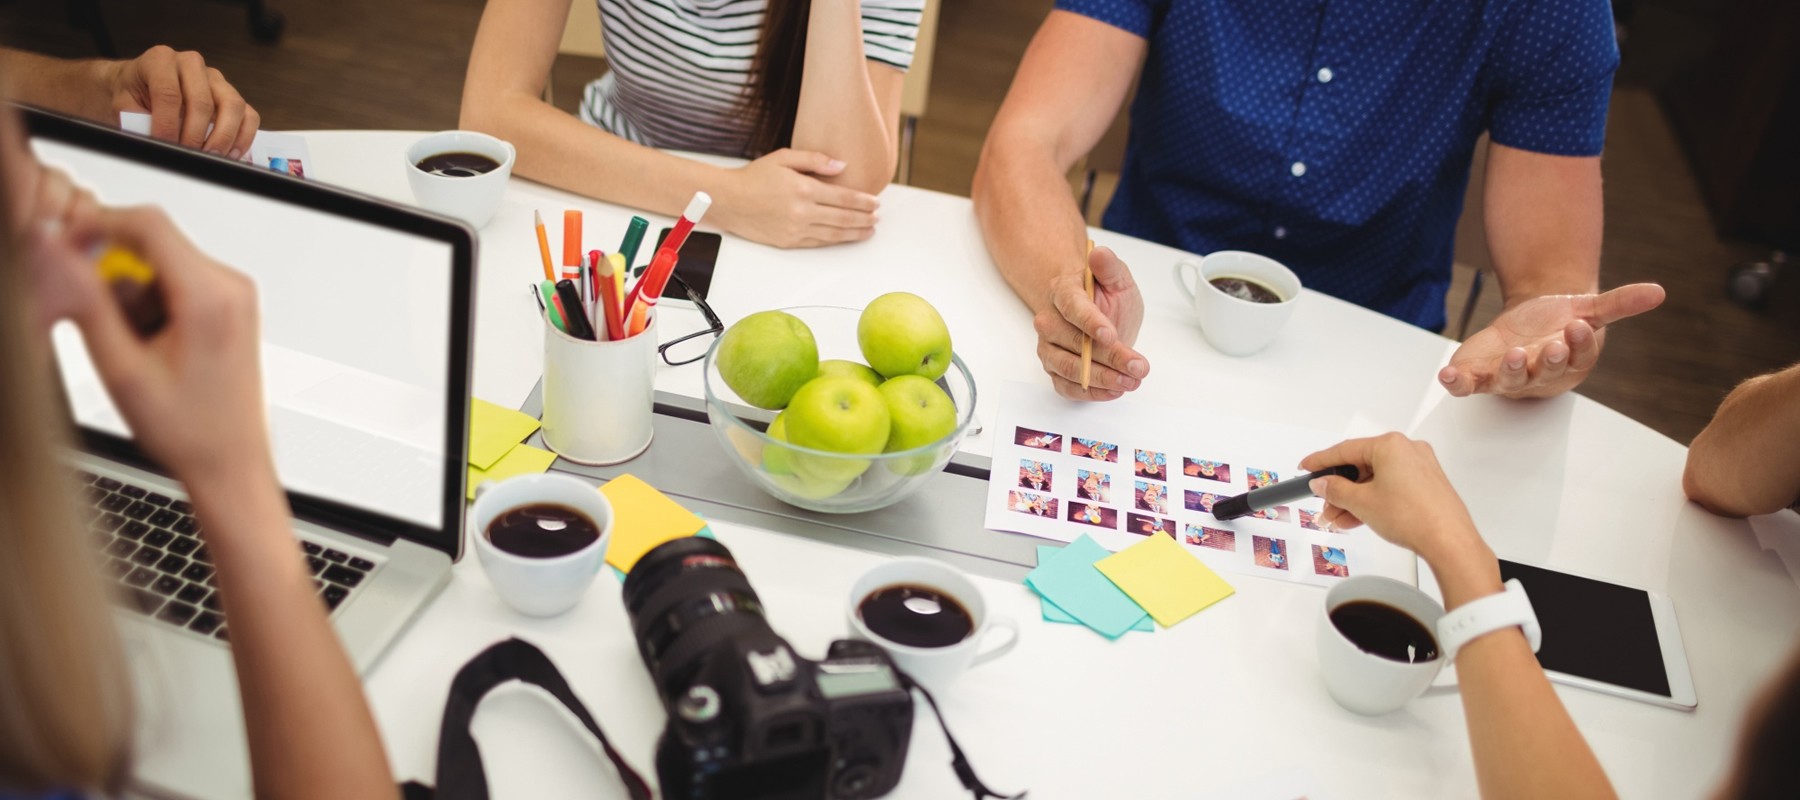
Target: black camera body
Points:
x,y
748,718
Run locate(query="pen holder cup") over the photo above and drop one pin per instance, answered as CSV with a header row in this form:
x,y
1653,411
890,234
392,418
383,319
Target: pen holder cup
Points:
x,y
598,396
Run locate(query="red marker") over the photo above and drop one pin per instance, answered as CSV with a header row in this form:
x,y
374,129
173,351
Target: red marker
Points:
x,y
695,210
649,289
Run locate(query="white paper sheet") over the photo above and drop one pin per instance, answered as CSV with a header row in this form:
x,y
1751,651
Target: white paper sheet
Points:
x,y
281,152
1120,470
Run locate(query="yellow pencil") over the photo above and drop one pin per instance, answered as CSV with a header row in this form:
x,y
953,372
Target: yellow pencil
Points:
x,y
544,247
1087,342
619,269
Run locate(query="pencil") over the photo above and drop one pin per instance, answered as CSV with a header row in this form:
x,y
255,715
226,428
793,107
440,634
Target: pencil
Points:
x,y
544,247
1087,342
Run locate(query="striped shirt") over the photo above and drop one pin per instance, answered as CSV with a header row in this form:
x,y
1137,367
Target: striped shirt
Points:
x,y
679,68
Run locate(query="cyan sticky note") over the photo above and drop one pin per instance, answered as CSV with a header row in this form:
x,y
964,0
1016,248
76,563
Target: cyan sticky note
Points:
x,y
1055,613
1070,580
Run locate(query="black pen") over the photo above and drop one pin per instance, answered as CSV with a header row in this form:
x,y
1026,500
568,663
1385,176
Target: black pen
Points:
x,y
1275,494
572,316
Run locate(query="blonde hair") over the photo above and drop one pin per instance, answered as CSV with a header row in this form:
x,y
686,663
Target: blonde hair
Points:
x,y
65,711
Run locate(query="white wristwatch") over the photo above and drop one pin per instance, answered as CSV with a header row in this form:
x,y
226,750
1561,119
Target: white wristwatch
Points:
x,y
1486,615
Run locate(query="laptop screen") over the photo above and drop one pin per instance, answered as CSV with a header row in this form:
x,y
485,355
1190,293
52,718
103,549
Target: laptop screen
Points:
x,y
360,333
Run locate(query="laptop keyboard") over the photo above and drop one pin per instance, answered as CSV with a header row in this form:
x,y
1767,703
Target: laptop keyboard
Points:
x,y
150,543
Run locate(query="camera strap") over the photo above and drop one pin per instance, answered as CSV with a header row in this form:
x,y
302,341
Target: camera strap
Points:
x,y
959,762
459,772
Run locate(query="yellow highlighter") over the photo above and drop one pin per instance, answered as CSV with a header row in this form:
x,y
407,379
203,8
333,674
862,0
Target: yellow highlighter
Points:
x,y
618,265
133,285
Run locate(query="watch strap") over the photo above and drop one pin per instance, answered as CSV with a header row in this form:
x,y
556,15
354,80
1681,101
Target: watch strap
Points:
x,y
1508,608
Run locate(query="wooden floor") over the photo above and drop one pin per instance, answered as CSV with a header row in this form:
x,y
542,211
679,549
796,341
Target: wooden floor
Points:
x,y
400,64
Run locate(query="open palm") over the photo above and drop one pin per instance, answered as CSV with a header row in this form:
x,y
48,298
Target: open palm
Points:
x,y
1544,346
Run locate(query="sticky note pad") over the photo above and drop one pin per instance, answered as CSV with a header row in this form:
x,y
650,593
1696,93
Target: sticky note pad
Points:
x,y
642,519
494,431
1055,613
1167,581
1070,581
522,459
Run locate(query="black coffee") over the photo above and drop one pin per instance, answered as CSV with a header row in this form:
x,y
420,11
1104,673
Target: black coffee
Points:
x,y
1244,289
1385,631
458,165
542,530
917,616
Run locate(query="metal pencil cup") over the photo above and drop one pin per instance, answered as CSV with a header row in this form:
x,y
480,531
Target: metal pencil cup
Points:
x,y
598,396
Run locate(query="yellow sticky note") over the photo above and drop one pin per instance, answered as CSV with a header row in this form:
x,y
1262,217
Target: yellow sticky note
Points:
x,y
642,519
523,459
1166,580
494,431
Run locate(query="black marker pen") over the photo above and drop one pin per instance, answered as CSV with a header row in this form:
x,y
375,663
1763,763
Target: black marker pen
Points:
x,y
1273,495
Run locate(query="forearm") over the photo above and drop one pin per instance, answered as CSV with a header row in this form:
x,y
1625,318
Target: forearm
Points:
x,y
840,113
1745,462
1544,216
309,728
71,87
1524,742
1028,218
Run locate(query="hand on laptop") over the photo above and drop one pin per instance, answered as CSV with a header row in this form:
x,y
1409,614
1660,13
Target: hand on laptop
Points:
x,y
183,96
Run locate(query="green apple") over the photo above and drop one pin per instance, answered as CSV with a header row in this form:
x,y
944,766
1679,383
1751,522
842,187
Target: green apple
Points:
x,y
901,334
921,413
838,366
776,458
807,489
838,415
767,356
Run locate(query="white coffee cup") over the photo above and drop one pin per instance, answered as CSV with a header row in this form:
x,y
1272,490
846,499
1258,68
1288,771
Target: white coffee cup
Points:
x,y
473,199
540,587
935,668
1362,681
1234,326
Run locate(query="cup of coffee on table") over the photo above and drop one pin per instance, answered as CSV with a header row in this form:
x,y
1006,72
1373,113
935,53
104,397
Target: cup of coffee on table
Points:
x,y
1242,299
931,619
1378,643
541,539
462,174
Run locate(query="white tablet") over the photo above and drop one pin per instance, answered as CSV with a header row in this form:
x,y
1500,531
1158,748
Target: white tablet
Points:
x,y
1602,636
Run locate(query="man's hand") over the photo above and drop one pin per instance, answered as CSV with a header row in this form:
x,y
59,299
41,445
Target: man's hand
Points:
x,y
183,96
1112,318
1544,346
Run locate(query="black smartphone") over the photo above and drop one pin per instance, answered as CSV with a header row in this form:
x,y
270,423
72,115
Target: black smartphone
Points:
x,y
699,254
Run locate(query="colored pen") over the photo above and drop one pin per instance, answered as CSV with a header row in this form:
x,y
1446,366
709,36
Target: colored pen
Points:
x,y
696,209
552,306
634,236
609,314
1275,494
1087,342
571,244
619,270
134,287
544,246
649,289
577,321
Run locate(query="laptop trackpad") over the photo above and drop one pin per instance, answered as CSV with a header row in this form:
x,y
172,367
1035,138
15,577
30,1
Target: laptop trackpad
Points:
x,y
190,728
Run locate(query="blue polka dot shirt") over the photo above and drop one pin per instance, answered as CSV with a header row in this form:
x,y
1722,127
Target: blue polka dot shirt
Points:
x,y
1336,135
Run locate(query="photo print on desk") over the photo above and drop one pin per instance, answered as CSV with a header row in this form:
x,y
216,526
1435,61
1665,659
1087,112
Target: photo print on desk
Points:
x,y
1095,449
1035,474
1094,514
1152,465
1148,526
1198,501
1151,497
1330,562
1258,478
1037,440
1095,486
1215,538
1276,514
1036,505
1310,520
1270,553
1206,470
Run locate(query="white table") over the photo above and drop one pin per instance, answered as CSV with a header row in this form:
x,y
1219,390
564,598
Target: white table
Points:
x,y
1217,702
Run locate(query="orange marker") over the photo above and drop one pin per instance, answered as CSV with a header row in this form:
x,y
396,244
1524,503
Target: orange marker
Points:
x,y
571,245
544,247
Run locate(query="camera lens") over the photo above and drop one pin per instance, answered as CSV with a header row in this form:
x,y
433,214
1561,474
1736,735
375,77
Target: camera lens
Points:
x,y
684,587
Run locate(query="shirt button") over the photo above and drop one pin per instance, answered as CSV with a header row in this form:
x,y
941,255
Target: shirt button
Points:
x,y
1324,74
1280,232
1299,168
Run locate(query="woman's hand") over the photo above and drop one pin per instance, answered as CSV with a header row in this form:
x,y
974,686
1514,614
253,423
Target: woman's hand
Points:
x,y
1404,495
777,200
192,393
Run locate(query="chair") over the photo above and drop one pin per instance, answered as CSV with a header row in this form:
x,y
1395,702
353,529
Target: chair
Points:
x,y
917,92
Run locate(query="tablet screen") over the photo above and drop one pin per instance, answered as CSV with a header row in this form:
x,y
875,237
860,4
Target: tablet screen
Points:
x,y
1595,630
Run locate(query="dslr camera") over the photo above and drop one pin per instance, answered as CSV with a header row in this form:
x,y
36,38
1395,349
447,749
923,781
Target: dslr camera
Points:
x,y
747,717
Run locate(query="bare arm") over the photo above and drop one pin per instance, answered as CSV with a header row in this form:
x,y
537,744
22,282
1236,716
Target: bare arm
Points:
x,y
775,199
1069,87
849,104
1524,742
188,102
1747,460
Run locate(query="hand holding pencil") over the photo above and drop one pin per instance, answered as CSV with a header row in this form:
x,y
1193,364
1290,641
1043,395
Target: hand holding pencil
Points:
x,y
1107,321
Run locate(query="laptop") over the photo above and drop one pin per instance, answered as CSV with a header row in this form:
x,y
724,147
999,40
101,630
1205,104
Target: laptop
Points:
x,y
366,315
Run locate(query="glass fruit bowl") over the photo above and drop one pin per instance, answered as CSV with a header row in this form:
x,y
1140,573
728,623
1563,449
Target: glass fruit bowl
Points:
x,y
819,480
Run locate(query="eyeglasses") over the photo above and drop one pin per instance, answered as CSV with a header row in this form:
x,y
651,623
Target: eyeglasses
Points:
x,y
673,352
